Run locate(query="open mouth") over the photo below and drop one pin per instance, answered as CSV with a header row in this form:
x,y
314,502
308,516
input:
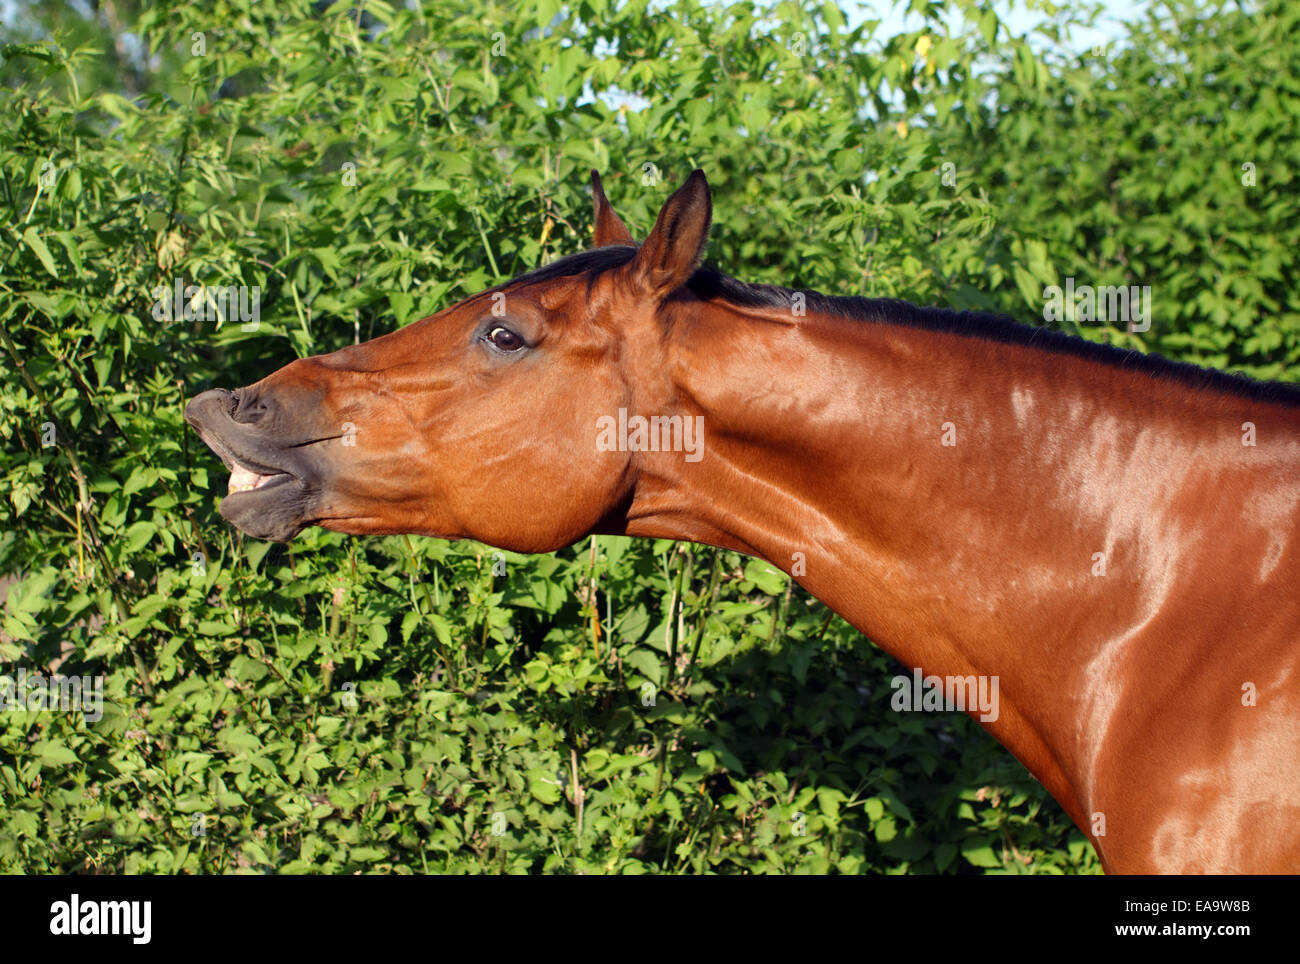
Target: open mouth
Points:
x,y
245,475
244,479
271,489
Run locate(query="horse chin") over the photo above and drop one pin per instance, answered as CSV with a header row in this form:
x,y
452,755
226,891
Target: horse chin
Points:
x,y
274,511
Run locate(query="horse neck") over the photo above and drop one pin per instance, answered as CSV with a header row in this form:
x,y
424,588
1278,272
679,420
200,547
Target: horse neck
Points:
x,y
975,508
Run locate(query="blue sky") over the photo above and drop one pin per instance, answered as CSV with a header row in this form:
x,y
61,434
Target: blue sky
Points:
x,y
889,12
1020,19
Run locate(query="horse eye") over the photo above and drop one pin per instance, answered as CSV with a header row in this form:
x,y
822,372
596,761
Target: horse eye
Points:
x,y
505,339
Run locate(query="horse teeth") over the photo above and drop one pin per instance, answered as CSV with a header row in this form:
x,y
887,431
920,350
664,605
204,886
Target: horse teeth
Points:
x,y
242,479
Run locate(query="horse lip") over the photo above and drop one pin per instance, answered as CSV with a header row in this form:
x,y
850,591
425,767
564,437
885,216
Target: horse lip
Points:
x,y
230,450
273,481
232,458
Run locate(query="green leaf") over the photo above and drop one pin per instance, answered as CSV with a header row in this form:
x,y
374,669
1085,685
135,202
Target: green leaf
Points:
x,y
646,662
52,754
35,51
980,854
138,536
768,579
543,786
33,240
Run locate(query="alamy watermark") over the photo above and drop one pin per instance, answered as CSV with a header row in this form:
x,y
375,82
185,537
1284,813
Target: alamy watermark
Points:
x,y
1130,304
36,692
937,694
219,303
130,918
658,433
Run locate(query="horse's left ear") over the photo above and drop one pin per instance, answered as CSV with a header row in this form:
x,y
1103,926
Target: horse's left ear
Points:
x,y
668,258
610,228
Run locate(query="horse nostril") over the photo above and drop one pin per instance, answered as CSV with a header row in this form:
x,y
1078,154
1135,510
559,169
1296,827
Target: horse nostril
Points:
x,y
246,409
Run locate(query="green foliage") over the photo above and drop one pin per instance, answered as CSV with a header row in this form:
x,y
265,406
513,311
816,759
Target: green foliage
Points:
x,y
1168,160
408,705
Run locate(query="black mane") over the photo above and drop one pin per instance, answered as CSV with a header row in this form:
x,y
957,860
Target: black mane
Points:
x,y
710,284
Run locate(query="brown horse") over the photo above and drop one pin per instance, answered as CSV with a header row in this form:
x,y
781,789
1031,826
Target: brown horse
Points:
x,y
1112,537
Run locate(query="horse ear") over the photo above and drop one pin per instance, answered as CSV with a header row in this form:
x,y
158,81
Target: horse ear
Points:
x,y
610,228
668,258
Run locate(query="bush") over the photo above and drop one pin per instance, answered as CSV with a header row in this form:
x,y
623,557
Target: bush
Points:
x,y
408,705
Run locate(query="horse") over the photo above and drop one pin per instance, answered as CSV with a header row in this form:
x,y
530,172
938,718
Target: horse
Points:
x,y
1110,537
